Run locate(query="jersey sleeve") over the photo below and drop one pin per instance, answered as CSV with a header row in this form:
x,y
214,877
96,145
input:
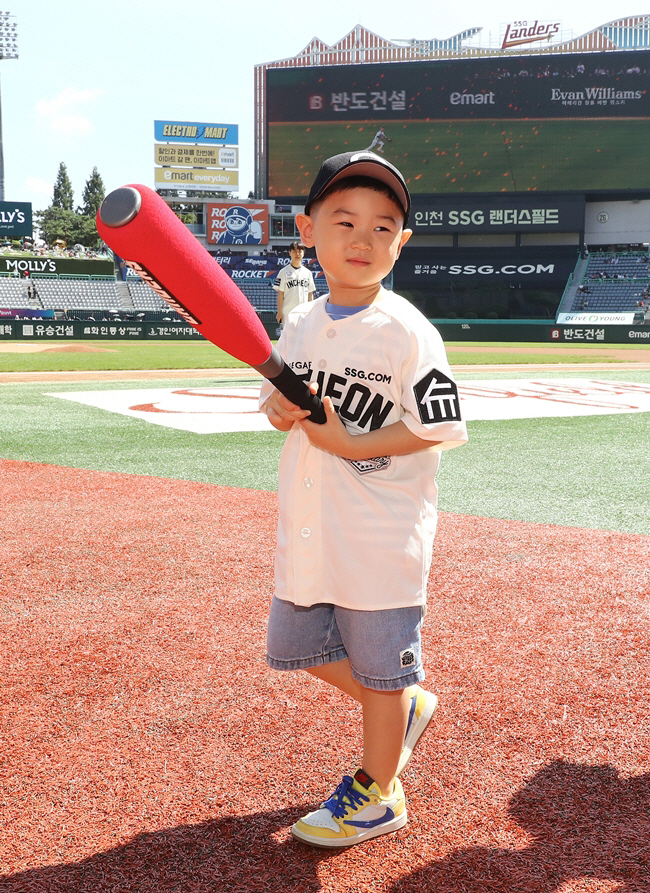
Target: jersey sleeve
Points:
x,y
430,398
278,282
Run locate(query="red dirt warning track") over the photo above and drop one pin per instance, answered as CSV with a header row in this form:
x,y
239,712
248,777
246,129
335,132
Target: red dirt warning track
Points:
x,y
144,745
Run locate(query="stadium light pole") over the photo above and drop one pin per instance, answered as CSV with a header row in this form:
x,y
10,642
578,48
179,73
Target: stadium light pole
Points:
x,y
8,50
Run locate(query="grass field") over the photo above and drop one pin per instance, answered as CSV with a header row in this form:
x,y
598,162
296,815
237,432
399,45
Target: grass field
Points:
x,y
126,355
474,156
133,355
568,471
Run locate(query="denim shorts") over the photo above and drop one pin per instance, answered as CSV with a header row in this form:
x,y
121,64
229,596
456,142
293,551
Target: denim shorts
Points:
x,y
383,647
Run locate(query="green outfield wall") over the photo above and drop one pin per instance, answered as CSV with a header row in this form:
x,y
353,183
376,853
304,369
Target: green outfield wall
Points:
x,y
538,332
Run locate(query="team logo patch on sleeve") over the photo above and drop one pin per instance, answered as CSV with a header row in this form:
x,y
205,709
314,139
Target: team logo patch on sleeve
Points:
x,y
437,398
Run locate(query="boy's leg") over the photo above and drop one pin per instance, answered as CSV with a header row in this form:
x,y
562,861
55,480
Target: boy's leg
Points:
x,y
384,654
385,716
340,676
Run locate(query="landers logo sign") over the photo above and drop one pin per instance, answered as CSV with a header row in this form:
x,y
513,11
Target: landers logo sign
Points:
x,y
518,33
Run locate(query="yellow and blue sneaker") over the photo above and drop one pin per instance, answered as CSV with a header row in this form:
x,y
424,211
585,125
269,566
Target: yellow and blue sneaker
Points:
x,y
423,706
355,812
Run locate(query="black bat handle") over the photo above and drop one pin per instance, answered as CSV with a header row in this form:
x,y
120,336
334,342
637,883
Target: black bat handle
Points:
x,y
287,382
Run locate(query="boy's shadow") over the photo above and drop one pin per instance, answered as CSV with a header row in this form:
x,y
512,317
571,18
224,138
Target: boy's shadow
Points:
x,y
233,853
584,821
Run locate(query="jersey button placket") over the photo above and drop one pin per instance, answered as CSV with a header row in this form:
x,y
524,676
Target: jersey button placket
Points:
x,y
307,561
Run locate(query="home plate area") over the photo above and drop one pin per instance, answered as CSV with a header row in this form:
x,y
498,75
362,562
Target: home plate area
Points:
x,y
222,410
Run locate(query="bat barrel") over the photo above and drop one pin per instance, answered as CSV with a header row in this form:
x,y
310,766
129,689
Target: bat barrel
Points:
x,y
140,227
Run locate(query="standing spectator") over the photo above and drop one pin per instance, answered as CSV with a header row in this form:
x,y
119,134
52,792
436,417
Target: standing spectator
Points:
x,y
294,283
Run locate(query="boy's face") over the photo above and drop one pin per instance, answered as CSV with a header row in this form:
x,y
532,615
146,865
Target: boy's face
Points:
x,y
296,255
358,236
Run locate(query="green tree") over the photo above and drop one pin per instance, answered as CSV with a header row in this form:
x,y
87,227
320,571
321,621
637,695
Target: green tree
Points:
x,y
58,223
63,194
93,195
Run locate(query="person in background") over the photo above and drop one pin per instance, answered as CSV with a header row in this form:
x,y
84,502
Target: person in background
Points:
x,y
294,283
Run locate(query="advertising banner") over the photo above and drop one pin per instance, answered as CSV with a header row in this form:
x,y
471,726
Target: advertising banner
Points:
x,y
504,214
15,219
25,313
585,85
196,156
424,267
598,319
196,132
193,180
237,223
570,122
265,267
48,332
25,265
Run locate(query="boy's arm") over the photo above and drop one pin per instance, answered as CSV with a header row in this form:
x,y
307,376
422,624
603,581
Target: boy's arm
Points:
x,y
333,436
278,315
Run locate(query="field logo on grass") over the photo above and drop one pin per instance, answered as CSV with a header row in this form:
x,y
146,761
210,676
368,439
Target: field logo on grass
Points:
x,y
224,410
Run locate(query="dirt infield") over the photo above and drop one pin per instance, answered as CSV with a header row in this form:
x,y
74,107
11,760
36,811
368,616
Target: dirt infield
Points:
x,y
21,347
145,746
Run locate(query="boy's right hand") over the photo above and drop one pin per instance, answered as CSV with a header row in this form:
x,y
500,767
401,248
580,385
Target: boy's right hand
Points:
x,y
282,413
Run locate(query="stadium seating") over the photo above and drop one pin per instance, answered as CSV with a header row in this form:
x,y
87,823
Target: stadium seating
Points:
x,y
144,297
613,283
62,293
13,292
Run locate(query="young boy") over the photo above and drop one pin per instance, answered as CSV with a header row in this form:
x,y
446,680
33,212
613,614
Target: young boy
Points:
x,y
357,495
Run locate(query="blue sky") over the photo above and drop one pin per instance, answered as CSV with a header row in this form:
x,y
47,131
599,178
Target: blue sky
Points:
x,y
93,75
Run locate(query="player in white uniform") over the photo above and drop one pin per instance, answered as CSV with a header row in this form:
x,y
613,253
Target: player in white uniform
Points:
x,y
294,283
378,141
357,495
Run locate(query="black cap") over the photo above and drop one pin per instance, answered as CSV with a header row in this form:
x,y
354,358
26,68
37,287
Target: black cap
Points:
x,y
360,164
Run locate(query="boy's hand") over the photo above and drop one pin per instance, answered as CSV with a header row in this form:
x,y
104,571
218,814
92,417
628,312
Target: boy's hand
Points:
x,y
333,436
282,413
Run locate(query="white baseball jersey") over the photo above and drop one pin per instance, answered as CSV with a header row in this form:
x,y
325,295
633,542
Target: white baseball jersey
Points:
x,y
378,141
296,283
360,533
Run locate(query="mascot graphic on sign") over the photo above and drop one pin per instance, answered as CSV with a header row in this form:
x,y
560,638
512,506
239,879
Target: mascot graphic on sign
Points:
x,y
240,228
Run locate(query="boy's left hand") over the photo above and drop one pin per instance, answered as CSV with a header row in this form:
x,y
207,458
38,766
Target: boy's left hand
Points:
x,y
333,436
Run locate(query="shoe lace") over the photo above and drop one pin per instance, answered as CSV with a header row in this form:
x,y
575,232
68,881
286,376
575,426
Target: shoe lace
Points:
x,y
344,797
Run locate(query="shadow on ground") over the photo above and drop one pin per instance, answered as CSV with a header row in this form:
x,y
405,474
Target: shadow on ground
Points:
x,y
585,822
231,854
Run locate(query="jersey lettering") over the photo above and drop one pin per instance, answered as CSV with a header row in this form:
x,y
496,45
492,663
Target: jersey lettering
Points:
x,y
355,403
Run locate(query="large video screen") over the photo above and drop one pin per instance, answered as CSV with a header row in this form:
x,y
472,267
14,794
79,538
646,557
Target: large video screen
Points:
x,y
572,122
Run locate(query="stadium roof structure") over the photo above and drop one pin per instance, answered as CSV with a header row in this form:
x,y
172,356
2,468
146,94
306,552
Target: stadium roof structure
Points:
x,y
361,46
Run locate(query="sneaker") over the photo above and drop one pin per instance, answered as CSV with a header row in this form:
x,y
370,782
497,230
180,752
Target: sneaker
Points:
x,y
423,706
356,811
